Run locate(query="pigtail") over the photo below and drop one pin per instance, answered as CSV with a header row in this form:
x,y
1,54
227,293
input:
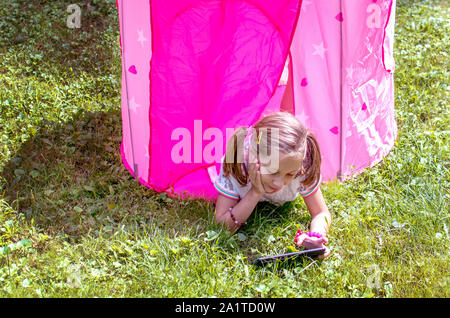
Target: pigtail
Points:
x,y
234,157
315,158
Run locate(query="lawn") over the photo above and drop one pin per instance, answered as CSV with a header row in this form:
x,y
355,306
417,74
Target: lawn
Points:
x,y
74,222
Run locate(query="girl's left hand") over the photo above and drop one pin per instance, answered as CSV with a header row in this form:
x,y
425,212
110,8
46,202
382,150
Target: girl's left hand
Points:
x,y
314,242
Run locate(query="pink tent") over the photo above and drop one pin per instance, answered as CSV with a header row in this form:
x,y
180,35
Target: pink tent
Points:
x,y
195,69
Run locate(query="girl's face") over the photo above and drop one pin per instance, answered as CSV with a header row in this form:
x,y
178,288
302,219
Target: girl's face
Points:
x,y
275,177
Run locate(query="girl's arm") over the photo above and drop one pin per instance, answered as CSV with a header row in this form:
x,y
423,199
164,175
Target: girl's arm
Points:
x,y
320,216
241,209
320,223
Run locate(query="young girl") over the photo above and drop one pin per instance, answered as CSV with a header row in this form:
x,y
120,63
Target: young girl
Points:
x,y
251,172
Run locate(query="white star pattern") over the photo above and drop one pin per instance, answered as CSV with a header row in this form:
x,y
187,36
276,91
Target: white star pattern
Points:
x,y
349,133
302,117
349,72
133,105
141,37
319,50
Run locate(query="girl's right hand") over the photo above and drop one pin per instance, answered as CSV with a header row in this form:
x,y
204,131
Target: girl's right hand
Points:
x,y
255,175
314,242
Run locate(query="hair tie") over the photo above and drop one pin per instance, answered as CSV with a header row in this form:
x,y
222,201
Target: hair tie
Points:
x,y
259,136
310,234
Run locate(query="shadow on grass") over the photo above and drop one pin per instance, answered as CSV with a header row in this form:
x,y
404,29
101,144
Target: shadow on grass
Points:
x,y
70,180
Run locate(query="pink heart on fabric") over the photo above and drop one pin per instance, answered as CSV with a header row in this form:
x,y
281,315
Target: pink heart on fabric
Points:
x,y
304,82
132,69
335,130
364,106
339,17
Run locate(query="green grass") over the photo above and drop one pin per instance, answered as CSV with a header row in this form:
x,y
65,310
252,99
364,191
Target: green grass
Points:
x,y
74,223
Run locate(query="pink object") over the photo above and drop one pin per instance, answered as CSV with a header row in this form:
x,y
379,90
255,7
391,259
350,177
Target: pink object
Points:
x,y
205,66
304,82
310,234
132,69
335,130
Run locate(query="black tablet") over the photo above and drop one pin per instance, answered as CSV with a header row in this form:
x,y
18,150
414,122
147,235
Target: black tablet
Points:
x,y
289,256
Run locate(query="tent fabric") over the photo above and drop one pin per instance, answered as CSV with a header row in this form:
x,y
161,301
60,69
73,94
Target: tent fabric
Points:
x,y
194,69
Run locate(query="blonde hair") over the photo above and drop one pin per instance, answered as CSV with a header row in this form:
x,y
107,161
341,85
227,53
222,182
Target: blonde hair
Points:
x,y
293,137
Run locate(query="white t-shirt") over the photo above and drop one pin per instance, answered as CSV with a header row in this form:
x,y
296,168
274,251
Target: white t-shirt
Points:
x,y
230,187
